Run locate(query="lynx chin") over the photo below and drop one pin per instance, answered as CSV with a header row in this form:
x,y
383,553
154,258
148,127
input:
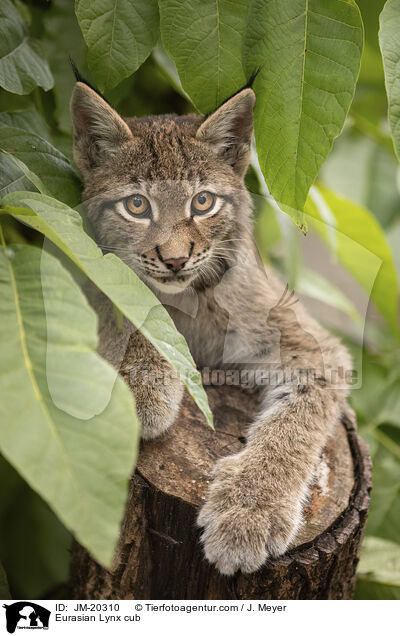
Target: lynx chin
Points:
x,y
167,195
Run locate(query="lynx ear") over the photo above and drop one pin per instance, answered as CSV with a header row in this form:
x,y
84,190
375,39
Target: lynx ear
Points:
x,y
98,129
229,129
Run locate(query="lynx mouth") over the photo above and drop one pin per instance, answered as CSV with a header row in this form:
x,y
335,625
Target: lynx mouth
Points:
x,y
170,284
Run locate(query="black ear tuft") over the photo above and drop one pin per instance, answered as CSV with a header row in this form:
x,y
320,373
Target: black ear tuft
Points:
x,y
75,71
228,130
83,80
252,77
248,84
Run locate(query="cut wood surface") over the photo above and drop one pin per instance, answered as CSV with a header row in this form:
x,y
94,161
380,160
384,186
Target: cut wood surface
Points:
x,y
160,556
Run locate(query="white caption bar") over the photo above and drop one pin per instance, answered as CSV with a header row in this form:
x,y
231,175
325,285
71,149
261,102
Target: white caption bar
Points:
x,y
177,617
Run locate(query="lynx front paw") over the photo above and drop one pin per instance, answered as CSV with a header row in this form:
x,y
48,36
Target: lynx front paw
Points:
x,y
240,531
157,402
158,410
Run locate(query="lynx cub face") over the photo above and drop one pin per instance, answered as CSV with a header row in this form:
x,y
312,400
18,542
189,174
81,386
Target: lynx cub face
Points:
x,y
166,193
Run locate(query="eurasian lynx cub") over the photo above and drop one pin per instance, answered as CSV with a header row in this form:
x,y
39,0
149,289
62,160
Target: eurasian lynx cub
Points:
x,y
167,195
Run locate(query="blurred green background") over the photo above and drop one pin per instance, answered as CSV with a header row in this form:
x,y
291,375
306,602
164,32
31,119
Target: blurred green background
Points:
x,y
362,168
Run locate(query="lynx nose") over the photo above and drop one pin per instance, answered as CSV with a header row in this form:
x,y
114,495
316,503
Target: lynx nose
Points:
x,y
176,264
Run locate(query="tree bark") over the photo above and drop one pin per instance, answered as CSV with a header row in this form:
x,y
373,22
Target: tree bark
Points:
x,y
159,555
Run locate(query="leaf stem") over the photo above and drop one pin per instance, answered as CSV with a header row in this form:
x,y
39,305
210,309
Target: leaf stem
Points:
x,y
2,239
37,98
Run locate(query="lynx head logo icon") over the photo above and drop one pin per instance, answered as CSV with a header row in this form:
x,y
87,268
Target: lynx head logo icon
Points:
x,y
26,615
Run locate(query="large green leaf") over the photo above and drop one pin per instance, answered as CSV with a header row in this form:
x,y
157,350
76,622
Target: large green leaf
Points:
x,y
308,53
390,47
11,176
379,566
205,40
28,120
62,37
21,64
45,161
130,295
120,35
43,563
361,247
28,174
31,122
68,423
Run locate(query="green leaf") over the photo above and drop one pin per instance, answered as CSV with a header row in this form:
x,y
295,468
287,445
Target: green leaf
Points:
x,y
380,562
312,284
11,177
21,64
267,232
292,253
63,37
120,35
367,399
204,39
31,176
168,68
361,246
308,52
80,463
369,590
375,131
393,237
371,72
389,404
45,161
43,563
63,226
24,11
28,120
390,47
384,514
361,170
4,591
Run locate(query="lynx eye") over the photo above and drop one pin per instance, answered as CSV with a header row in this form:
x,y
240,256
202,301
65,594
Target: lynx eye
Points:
x,y
203,202
138,206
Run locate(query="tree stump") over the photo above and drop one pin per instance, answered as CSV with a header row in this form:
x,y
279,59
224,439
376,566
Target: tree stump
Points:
x,y
159,554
